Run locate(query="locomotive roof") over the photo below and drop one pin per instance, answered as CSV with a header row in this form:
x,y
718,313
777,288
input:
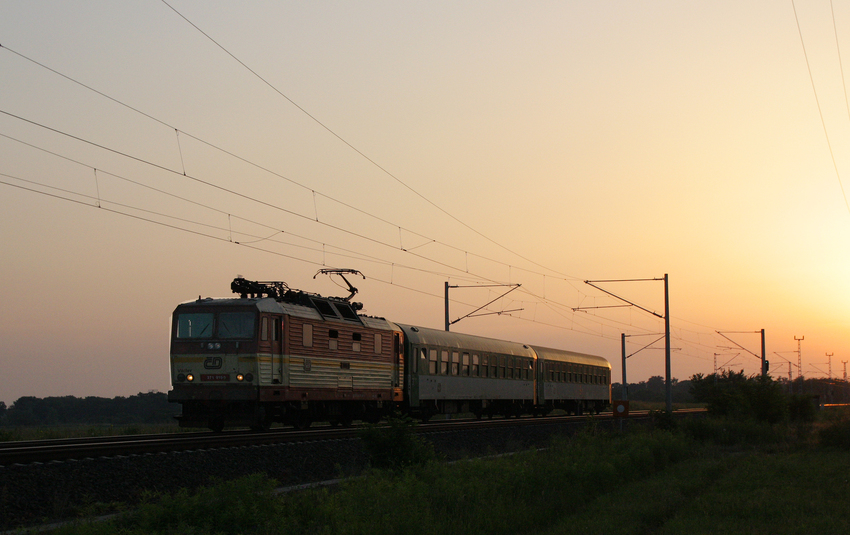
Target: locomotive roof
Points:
x,y
425,336
547,353
271,305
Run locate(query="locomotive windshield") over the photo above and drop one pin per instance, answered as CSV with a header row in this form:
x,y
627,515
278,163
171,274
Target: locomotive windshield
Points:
x,y
194,325
230,325
235,325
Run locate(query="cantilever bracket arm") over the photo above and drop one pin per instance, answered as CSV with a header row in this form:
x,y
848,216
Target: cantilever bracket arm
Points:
x,y
515,286
656,314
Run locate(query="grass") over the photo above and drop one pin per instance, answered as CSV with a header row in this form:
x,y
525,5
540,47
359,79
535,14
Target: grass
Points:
x,y
719,476
80,431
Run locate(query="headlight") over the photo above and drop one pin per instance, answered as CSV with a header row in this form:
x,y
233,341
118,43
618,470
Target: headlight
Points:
x,y
190,377
240,377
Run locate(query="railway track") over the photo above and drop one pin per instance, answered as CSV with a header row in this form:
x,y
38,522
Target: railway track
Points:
x,y
43,451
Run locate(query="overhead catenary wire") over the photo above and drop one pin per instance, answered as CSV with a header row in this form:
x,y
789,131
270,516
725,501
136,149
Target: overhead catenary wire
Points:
x,y
355,149
313,192
452,267
266,169
820,111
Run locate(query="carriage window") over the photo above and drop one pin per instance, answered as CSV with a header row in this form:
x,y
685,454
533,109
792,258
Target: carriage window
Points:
x,y
307,335
455,363
485,365
475,366
236,325
432,361
333,339
355,344
464,365
194,325
377,343
444,362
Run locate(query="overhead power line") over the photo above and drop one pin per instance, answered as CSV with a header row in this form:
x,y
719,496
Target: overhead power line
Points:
x,y
355,149
820,111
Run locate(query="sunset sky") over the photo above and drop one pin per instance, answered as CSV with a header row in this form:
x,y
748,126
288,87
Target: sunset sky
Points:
x,y
150,152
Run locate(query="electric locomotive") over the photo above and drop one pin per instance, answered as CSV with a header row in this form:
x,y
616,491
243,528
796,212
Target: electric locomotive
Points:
x,y
280,355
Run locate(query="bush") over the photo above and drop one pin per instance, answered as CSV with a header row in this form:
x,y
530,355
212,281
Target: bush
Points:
x,y
736,395
396,445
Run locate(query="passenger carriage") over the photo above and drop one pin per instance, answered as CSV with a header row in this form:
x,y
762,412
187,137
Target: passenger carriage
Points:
x,y
456,373
574,382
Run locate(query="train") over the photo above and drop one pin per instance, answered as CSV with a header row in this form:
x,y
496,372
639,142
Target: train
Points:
x,y
278,355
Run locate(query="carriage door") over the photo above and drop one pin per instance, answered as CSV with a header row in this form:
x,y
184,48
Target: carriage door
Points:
x,y
277,349
398,365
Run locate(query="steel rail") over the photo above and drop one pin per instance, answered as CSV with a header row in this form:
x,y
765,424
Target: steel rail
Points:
x,y
42,451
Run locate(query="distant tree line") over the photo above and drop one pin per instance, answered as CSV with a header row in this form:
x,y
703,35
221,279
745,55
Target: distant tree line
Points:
x,y
766,399
655,389
150,407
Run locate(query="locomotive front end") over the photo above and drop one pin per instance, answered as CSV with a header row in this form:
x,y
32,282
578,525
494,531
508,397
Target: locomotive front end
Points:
x,y
214,358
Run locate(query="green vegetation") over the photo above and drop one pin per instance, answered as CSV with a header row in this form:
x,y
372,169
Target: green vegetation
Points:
x,y
715,475
395,446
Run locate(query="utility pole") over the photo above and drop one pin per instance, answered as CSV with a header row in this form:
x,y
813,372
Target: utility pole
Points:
x,y
799,359
764,363
447,306
625,383
669,386
829,361
845,369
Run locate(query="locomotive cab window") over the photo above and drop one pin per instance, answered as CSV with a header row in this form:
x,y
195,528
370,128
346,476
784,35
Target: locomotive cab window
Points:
x,y
355,342
235,325
333,342
195,325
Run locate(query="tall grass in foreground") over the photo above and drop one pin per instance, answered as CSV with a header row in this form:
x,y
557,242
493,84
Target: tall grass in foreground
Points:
x,y
712,476
530,490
